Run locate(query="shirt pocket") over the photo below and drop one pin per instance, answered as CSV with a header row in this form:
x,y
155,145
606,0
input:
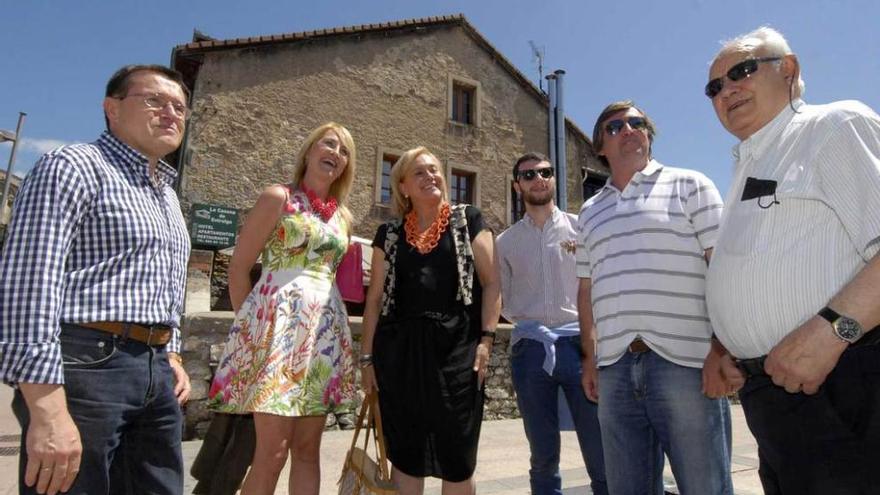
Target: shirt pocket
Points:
x,y
754,226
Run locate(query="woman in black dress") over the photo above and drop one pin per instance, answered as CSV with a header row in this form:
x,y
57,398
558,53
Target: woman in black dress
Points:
x,y
429,323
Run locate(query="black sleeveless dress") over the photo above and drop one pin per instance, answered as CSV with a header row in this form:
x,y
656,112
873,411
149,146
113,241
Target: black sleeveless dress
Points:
x,y
423,355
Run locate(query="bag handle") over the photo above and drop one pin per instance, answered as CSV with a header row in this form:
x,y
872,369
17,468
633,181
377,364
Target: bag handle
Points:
x,y
379,437
358,425
370,412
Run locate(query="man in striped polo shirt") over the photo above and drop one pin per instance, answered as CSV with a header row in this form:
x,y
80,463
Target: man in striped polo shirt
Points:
x,y
794,288
645,240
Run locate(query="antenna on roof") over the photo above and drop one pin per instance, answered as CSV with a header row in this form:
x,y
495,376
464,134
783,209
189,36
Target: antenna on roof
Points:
x,y
538,57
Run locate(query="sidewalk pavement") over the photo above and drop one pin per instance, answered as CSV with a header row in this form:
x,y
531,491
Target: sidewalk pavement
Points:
x,y
502,463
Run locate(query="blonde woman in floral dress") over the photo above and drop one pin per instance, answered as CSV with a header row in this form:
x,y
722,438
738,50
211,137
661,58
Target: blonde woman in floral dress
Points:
x,y
288,357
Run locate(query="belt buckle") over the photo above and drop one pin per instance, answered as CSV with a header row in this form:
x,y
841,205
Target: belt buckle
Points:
x,y
638,346
153,332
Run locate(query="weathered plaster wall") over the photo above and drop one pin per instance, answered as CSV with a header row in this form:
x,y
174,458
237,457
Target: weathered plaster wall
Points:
x,y
255,106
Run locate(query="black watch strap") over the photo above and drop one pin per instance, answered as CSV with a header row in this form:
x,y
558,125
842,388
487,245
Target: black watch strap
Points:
x,y
846,328
829,314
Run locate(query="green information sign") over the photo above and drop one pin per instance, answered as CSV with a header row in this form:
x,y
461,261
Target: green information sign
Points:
x,y
213,225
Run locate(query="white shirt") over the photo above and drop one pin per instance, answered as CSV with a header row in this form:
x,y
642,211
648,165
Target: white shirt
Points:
x,y
538,280
774,268
643,249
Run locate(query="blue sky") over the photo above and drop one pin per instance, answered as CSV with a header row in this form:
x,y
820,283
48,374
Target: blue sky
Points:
x,y
58,55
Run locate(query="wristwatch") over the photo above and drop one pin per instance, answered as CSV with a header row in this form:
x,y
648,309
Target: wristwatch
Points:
x,y
846,328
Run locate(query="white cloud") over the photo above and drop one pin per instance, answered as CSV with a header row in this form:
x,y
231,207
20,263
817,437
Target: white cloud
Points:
x,y
28,153
40,146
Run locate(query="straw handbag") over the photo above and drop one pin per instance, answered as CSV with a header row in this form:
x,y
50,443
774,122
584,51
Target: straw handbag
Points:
x,y
361,475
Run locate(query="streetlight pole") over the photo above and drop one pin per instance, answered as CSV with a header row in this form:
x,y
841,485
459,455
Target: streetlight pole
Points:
x,y
4,136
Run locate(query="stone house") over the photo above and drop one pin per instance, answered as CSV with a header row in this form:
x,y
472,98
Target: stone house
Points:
x,y
435,82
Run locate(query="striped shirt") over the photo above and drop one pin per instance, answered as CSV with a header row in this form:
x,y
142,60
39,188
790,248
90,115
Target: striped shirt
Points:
x,y
538,279
91,239
643,249
775,267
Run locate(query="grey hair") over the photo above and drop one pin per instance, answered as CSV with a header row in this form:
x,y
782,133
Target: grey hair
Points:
x,y
770,41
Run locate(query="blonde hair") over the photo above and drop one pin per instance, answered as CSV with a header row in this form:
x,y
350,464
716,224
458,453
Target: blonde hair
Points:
x,y
401,205
341,187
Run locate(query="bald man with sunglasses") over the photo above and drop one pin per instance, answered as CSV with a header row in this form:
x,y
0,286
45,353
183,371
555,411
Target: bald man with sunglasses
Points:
x,y
794,286
645,240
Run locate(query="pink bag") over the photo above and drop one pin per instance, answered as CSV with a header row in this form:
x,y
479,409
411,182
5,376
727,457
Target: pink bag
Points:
x,y
350,275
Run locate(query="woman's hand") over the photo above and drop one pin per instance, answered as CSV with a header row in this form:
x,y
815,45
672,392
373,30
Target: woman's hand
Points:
x,y
481,362
368,380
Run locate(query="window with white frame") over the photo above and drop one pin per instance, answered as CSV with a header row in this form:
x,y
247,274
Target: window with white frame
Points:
x,y
464,183
464,101
461,187
384,163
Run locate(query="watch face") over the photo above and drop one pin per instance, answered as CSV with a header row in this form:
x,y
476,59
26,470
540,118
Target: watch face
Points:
x,y
847,328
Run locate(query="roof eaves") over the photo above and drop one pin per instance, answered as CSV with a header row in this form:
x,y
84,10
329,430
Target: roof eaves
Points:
x,y
255,40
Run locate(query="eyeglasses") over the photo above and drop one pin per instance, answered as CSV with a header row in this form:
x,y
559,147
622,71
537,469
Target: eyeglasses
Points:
x,y
529,175
737,72
155,101
613,127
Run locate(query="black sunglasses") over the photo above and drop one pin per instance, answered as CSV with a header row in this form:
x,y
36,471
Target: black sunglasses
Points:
x,y
613,127
529,175
737,72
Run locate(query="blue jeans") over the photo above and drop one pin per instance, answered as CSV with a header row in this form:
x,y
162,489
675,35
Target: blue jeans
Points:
x,y
648,406
536,395
120,394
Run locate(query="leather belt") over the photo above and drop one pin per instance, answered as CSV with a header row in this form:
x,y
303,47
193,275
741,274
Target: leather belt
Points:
x,y
755,366
638,346
752,367
152,335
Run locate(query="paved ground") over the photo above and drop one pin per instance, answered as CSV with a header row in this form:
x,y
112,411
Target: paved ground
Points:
x,y
502,466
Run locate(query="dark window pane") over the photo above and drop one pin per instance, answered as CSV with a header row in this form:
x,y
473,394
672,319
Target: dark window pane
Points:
x,y
387,162
461,187
592,185
463,104
517,208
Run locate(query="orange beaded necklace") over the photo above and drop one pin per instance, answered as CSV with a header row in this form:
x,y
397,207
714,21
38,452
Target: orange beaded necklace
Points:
x,y
426,241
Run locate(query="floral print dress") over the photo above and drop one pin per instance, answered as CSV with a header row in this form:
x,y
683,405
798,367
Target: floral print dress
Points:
x,y
289,350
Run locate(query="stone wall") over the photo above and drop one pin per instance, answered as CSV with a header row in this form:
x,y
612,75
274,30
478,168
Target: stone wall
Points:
x,y
205,333
253,107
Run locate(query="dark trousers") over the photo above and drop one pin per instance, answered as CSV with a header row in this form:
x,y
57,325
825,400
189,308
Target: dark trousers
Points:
x,y
823,443
120,394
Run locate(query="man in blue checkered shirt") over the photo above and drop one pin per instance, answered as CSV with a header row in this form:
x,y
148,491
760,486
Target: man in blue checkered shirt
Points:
x,y
91,291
